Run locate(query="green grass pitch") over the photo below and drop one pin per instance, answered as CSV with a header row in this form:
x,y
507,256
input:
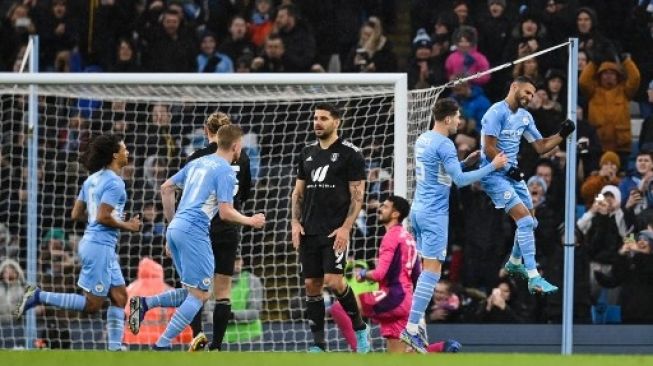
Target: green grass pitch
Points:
x,y
99,358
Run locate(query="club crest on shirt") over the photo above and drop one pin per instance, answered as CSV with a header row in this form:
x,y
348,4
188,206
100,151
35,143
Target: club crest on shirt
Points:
x,y
507,195
206,281
525,120
99,287
334,156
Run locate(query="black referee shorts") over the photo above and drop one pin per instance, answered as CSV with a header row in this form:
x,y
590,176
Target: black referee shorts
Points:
x,y
225,242
317,257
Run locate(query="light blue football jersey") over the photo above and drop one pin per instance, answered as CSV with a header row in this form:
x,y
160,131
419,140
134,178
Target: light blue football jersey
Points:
x,y
508,128
103,186
436,168
206,182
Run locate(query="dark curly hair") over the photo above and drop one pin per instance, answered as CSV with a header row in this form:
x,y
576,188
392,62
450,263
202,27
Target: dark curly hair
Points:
x,y
100,152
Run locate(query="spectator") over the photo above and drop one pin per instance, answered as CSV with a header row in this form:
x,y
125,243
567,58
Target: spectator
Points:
x,y
502,306
466,59
113,22
633,271
246,305
598,48
55,257
555,86
150,282
607,175
9,246
424,70
646,134
211,61
446,304
11,288
59,33
610,90
472,100
554,179
297,38
483,238
638,39
635,181
171,50
606,227
558,20
374,52
274,57
260,23
527,37
126,57
237,45
461,12
153,224
546,233
494,31
14,33
529,68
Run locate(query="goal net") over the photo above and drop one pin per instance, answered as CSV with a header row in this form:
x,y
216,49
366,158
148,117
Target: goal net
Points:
x,y
162,125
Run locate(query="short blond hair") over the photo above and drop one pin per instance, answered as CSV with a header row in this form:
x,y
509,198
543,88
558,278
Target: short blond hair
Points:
x,y
217,120
228,135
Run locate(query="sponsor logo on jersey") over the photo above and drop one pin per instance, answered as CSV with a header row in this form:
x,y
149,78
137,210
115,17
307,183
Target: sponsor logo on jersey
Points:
x,y
319,174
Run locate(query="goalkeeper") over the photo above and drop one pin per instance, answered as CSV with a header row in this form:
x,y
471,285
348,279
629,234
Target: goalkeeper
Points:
x,y
503,126
396,271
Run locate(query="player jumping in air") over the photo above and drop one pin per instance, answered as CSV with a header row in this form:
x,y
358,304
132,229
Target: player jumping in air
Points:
x,y
100,202
208,184
503,126
436,167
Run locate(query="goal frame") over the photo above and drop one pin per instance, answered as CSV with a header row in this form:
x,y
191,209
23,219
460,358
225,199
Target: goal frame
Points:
x,y
33,79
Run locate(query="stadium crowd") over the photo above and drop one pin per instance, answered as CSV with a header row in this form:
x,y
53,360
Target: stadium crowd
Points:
x,y
449,39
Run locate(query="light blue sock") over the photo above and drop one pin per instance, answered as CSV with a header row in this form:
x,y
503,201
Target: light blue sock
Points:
x,y
115,327
526,239
64,301
168,299
422,296
183,316
516,250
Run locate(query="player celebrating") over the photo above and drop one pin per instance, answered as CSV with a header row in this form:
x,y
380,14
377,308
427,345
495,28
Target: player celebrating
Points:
x,y
327,198
436,167
397,265
225,238
208,184
100,202
502,128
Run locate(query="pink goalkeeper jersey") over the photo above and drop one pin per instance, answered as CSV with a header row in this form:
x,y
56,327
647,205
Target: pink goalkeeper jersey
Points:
x,y
397,267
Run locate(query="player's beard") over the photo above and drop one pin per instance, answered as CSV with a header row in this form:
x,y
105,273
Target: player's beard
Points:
x,y
521,101
325,135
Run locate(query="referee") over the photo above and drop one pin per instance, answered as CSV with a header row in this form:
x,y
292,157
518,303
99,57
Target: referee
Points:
x,y
327,198
225,240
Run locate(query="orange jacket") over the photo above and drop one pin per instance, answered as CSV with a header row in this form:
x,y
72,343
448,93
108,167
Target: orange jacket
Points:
x,y
150,282
593,186
609,109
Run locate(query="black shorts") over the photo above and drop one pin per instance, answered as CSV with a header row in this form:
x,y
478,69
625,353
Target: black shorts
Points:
x,y
225,244
317,257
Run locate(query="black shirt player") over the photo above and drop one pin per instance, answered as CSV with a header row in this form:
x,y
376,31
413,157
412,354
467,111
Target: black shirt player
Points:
x,y
327,198
225,239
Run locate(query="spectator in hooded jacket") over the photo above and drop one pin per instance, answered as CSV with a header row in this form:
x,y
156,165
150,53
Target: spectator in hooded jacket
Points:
x,y
209,60
610,90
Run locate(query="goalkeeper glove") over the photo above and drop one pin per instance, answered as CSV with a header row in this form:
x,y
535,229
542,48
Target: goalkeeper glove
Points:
x,y
566,128
515,174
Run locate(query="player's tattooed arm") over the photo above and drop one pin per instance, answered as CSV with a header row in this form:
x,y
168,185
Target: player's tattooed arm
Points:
x,y
357,192
297,200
